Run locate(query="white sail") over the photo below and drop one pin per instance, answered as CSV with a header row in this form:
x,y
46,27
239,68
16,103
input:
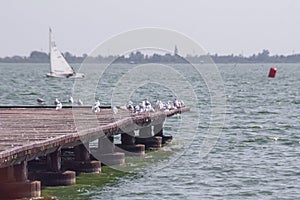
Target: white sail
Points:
x,y
58,65
57,62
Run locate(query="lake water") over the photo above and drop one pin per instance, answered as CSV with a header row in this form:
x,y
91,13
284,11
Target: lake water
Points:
x,y
256,156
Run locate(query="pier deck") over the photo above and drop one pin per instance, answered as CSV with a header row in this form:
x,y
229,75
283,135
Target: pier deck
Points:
x,y
28,132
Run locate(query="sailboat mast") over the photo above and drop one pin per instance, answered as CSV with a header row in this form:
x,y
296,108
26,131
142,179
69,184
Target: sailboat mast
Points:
x,y
50,41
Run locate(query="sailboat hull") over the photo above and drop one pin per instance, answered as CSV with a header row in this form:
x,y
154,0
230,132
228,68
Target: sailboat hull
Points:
x,y
76,75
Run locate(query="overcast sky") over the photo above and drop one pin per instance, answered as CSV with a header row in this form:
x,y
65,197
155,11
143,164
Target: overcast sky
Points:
x,y
220,26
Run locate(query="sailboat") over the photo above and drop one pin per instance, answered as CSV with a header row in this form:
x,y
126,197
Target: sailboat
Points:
x,y
59,67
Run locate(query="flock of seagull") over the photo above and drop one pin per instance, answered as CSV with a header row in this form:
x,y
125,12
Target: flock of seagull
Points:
x,y
58,103
144,106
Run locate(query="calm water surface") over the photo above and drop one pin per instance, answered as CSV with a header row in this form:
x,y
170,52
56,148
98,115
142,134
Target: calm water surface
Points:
x,y
256,156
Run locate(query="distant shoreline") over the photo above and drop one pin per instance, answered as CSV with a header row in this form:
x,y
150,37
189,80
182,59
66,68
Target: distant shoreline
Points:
x,y
140,58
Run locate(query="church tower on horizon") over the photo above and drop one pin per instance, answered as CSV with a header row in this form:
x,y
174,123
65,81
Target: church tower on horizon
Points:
x,y
175,51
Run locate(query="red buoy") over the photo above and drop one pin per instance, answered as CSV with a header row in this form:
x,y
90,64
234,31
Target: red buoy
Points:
x,y
272,72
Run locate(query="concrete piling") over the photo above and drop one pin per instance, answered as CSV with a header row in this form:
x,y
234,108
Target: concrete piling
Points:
x,y
128,145
106,152
54,176
82,162
14,183
146,138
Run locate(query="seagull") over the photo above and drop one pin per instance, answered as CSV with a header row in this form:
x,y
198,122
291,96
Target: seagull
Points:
x,y
79,102
96,107
40,101
58,104
181,103
130,106
71,100
176,103
137,109
56,101
147,103
143,106
115,110
159,105
148,106
170,105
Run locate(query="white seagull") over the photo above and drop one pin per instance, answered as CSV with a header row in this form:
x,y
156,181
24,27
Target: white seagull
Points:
x,y
96,107
71,100
40,101
130,106
159,105
115,110
176,103
58,104
79,102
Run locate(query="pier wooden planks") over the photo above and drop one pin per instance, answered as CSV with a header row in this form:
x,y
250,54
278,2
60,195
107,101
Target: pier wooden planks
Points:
x,y
27,132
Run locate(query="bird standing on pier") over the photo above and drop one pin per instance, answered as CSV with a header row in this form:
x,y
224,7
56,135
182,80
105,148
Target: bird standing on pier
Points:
x,y
96,107
181,103
40,101
71,100
58,104
137,109
143,106
159,105
130,106
115,110
148,106
79,102
176,103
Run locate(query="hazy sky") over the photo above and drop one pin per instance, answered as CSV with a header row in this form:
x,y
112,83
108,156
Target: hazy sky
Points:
x,y
220,26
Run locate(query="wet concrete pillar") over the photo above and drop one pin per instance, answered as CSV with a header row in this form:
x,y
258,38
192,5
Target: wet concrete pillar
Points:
x,y
128,145
15,173
106,144
53,175
82,152
14,183
146,138
145,132
128,138
106,152
21,171
158,129
82,162
53,161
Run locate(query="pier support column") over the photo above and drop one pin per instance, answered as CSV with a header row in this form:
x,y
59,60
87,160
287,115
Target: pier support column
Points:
x,y
106,152
146,138
54,176
82,162
158,131
53,161
82,152
128,145
106,144
128,138
145,132
14,183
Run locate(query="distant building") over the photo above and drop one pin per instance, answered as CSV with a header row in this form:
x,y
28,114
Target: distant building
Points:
x,y
175,51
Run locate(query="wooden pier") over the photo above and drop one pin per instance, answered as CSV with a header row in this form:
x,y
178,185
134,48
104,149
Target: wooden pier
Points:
x,y
33,139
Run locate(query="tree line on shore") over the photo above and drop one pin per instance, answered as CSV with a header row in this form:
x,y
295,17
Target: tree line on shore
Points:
x,y
139,58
